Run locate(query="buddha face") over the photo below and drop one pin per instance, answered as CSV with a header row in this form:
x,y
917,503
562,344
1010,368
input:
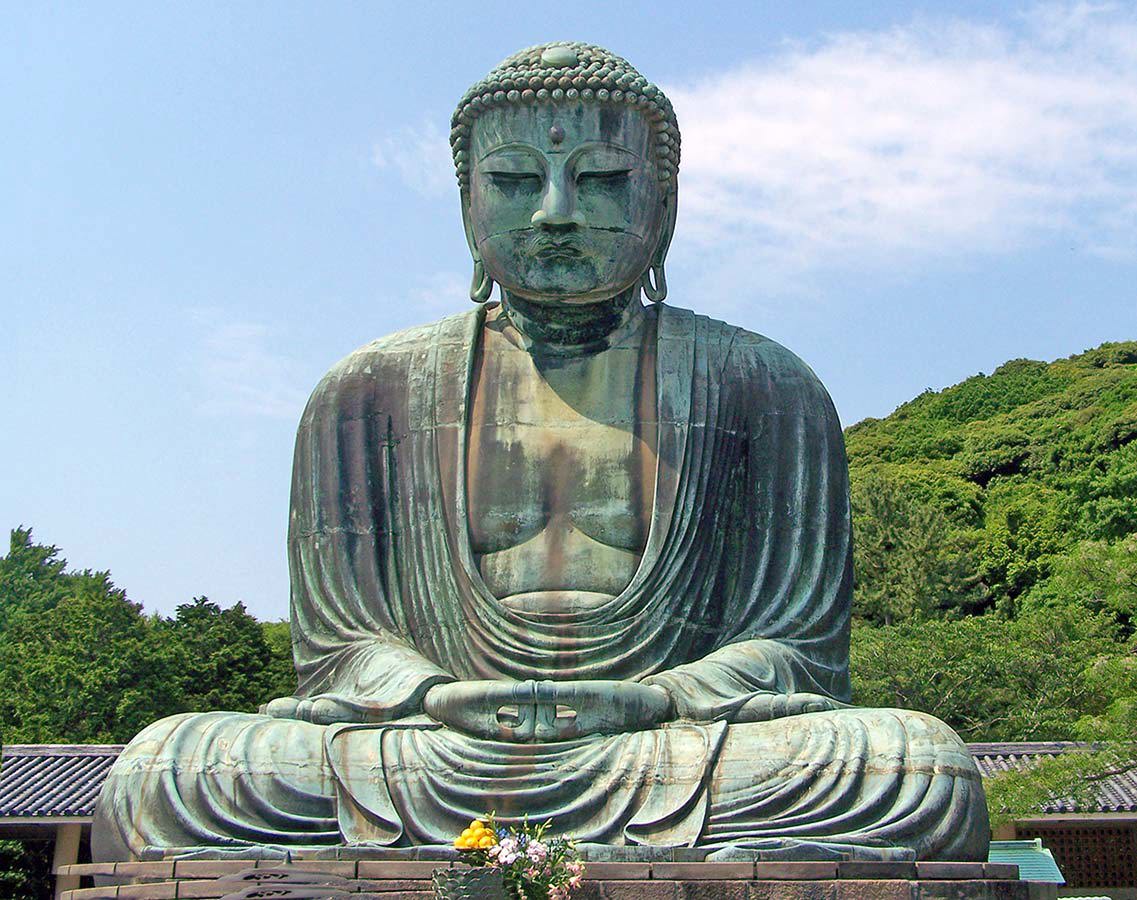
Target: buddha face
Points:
x,y
565,203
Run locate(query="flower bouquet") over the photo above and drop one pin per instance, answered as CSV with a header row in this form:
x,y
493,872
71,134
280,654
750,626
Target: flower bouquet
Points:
x,y
532,866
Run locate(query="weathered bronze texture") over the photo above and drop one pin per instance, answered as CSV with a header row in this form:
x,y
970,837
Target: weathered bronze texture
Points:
x,y
569,556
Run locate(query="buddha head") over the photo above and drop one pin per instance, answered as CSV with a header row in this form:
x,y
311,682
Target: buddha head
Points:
x,y
567,161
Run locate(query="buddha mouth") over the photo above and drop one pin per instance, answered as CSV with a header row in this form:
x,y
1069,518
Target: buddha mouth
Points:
x,y
557,250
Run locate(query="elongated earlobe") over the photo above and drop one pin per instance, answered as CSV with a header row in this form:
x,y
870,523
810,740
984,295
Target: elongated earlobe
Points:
x,y
481,286
656,292
654,280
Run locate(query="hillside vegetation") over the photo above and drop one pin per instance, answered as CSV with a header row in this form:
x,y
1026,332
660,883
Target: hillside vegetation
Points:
x,y
996,558
1003,492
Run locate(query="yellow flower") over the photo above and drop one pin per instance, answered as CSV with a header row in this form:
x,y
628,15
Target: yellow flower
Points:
x,y
476,836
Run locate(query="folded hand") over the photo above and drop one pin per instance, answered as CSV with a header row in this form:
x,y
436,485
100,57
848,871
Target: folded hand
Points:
x,y
547,711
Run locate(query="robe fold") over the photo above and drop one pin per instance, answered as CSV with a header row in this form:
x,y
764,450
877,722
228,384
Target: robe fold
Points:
x,y
743,592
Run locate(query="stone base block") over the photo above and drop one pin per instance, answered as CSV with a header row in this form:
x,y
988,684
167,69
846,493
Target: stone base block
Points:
x,y
402,879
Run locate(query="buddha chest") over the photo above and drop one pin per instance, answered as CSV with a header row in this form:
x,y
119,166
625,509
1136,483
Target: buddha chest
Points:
x,y
560,469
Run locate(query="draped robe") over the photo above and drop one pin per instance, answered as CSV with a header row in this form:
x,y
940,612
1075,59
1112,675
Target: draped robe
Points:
x,y
743,591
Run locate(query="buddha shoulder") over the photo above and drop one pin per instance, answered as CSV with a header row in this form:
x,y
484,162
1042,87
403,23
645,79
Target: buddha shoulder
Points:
x,y
390,365
762,366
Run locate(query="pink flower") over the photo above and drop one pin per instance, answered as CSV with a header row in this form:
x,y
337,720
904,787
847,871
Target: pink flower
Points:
x,y
537,851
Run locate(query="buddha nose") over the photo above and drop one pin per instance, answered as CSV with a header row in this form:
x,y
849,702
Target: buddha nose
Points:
x,y
556,211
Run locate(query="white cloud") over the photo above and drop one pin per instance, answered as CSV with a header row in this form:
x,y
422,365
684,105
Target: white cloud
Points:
x,y
241,373
887,148
420,156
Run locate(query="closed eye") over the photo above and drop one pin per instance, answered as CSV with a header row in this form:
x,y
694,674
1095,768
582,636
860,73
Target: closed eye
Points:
x,y
516,186
608,176
514,179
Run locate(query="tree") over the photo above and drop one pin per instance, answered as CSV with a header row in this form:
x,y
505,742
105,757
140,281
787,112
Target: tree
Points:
x,y
91,668
907,568
280,674
81,663
25,870
225,659
1075,775
1023,464
31,575
1109,746
1095,574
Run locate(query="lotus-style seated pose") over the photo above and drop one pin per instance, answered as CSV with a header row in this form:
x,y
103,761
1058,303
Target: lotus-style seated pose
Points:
x,y
572,555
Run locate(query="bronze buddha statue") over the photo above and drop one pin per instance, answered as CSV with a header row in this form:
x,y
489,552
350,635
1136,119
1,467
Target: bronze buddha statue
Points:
x,y
571,555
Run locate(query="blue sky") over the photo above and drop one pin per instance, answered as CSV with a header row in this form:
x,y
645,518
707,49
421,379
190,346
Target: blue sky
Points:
x,y
206,205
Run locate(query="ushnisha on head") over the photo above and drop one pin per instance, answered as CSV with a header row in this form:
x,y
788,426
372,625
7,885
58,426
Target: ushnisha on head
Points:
x,y
567,159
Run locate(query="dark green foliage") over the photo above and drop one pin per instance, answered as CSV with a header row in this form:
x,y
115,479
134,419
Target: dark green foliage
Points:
x,y
80,663
1048,675
905,568
30,575
279,675
225,660
25,870
1023,465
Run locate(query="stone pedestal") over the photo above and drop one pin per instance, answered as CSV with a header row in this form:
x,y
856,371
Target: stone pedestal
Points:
x,y
391,878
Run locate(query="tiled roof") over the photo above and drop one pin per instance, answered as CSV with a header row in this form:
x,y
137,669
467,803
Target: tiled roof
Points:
x,y
48,780
1115,794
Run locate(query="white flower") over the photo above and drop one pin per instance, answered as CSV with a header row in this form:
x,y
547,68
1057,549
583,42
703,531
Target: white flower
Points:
x,y
507,850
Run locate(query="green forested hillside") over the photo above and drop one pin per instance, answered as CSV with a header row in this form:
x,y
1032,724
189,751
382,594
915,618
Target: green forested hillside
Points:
x,y
1004,491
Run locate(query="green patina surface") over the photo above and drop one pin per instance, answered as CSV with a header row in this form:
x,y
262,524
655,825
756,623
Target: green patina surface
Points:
x,y
567,555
